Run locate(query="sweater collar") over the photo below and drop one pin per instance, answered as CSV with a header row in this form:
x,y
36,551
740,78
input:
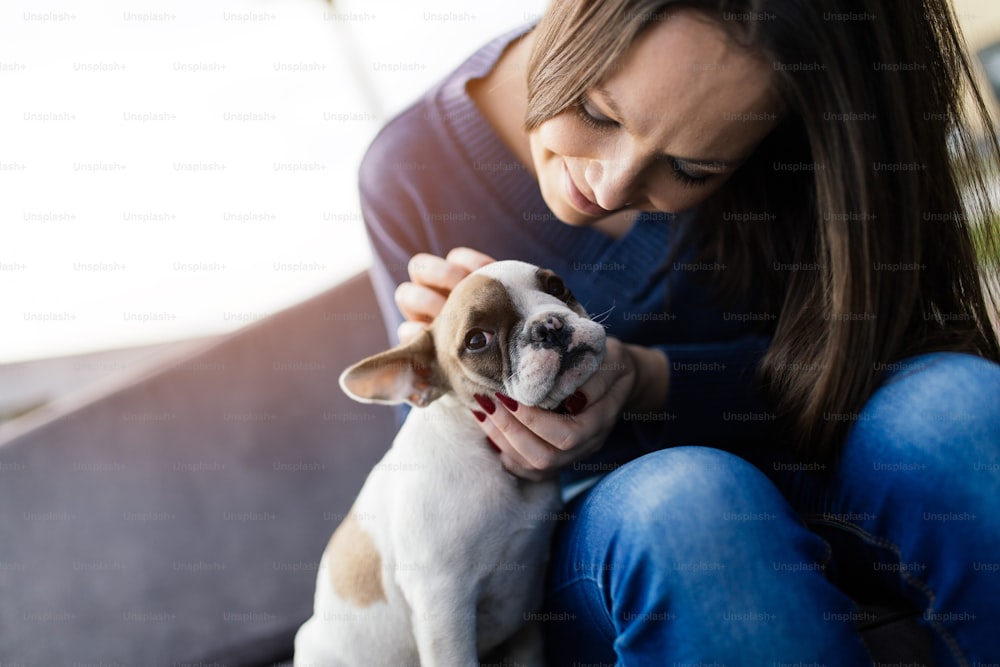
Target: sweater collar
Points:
x,y
484,150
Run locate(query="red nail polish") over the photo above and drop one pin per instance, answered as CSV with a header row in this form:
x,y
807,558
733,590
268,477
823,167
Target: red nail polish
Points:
x,y
480,417
575,403
493,444
485,403
508,402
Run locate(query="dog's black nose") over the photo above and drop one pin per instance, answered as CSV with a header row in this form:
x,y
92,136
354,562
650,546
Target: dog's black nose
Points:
x,y
551,331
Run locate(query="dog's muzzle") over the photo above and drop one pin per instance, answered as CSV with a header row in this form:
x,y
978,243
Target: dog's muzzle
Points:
x,y
552,331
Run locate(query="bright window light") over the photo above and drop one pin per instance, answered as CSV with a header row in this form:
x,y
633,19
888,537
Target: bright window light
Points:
x,y
182,169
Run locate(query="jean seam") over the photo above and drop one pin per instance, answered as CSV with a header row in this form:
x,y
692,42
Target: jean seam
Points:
x,y
607,616
907,577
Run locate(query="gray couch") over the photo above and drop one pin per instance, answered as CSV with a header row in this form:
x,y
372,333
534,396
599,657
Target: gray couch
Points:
x,y
179,520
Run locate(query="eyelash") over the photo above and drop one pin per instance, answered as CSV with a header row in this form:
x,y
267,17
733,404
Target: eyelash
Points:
x,y
687,180
589,120
601,125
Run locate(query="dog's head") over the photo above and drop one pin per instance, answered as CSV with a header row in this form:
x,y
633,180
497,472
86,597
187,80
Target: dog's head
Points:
x,y
509,327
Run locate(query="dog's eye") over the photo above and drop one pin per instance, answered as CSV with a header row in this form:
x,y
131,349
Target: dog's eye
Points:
x,y
556,287
478,339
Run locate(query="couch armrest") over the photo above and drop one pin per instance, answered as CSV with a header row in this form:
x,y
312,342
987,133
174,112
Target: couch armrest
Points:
x,y
185,513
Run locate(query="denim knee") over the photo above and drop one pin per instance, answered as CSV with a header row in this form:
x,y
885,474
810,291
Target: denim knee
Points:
x,y
687,511
931,434
921,465
935,402
696,484
685,551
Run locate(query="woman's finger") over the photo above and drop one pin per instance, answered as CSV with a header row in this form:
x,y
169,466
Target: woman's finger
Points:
x,y
431,280
407,331
435,272
468,258
535,452
524,453
418,303
511,459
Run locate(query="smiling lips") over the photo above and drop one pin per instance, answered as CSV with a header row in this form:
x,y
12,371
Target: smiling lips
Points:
x,y
580,201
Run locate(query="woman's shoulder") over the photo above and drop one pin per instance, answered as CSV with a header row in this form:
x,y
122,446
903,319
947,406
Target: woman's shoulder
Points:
x,y
433,133
406,146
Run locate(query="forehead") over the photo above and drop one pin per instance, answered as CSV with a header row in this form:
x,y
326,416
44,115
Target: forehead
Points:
x,y
498,286
514,276
473,294
685,87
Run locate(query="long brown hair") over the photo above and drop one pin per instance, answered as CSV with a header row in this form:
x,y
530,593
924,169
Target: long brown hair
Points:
x,y
868,193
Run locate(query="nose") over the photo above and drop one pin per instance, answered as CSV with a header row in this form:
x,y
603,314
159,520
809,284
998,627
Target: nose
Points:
x,y
613,181
551,331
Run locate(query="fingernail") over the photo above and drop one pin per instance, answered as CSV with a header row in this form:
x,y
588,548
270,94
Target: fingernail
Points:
x,y
575,403
480,417
489,440
508,402
485,403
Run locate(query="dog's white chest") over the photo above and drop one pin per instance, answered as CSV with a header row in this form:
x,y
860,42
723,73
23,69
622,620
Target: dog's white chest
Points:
x,y
443,554
441,541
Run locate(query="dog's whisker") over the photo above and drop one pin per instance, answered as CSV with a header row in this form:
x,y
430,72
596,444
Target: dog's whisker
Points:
x,y
602,317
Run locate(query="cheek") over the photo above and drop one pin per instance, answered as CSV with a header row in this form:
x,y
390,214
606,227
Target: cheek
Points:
x,y
561,137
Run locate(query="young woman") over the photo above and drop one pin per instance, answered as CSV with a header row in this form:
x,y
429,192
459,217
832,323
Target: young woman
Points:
x,y
771,204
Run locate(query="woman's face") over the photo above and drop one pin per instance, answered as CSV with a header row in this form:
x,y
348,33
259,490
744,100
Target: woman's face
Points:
x,y
663,131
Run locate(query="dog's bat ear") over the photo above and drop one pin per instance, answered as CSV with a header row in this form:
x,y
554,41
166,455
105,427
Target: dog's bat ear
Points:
x,y
405,374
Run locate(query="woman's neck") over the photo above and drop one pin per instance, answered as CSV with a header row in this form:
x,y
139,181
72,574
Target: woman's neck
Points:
x,y
502,97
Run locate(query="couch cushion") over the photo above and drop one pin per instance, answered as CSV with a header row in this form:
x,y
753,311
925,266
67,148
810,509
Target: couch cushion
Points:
x,y
184,515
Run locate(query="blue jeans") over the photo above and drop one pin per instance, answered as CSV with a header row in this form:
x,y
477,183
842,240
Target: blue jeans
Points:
x,y
692,555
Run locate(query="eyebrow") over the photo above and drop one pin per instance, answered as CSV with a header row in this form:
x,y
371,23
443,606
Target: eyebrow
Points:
x,y
708,164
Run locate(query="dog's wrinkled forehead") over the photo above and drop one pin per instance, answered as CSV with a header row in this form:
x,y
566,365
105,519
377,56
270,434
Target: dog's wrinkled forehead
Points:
x,y
510,288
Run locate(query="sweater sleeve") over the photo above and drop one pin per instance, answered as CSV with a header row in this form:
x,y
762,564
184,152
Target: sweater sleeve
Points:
x,y
390,206
714,400
714,396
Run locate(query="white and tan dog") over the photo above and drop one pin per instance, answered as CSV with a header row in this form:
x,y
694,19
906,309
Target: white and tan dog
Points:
x,y
442,557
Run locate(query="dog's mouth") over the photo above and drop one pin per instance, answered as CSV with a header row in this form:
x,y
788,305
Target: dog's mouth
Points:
x,y
545,378
577,358
577,367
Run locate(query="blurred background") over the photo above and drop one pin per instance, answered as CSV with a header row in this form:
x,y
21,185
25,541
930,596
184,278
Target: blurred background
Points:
x,y
172,172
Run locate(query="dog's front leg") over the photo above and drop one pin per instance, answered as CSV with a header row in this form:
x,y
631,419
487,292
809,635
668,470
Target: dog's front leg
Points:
x,y
444,622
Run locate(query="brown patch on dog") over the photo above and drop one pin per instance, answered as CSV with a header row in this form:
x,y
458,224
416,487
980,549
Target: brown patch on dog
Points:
x,y
476,302
355,566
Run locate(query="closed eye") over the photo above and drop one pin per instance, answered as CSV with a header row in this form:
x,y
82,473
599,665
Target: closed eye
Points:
x,y
686,177
591,117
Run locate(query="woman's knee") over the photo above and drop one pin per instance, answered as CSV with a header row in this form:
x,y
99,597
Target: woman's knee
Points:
x,y
700,479
685,505
928,444
943,403
674,530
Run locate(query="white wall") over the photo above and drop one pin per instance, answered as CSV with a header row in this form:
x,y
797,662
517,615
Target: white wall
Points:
x,y
107,236
182,168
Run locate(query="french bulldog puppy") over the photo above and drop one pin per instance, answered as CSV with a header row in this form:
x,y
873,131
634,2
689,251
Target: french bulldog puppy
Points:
x,y
442,557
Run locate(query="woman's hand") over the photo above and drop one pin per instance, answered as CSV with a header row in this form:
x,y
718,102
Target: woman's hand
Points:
x,y
535,443
431,280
